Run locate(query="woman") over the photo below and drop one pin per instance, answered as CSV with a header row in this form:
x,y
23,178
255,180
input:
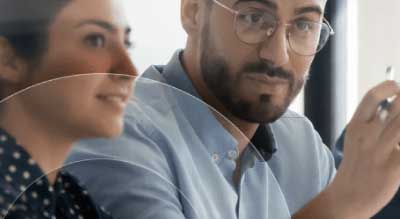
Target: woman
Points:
x,y
65,40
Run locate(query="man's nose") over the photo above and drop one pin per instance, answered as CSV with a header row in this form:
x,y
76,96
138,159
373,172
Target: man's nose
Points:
x,y
276,47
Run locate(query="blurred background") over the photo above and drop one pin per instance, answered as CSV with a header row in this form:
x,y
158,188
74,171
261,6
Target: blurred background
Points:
x,y
355,60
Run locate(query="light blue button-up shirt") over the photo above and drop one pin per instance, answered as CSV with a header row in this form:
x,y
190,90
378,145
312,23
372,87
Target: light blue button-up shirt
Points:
x,y
175,160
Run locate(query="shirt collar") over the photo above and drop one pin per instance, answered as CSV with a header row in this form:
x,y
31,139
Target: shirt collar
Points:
x,y
210,131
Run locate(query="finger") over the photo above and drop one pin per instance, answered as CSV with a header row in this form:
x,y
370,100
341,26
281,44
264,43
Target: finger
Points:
x,y
390,136
393,110
369,105
395,159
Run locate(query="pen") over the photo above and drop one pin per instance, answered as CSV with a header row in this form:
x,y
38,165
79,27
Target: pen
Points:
x,y
389,76
384,105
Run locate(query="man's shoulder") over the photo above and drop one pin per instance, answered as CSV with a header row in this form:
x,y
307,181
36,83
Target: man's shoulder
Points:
x,y
292,118
153,72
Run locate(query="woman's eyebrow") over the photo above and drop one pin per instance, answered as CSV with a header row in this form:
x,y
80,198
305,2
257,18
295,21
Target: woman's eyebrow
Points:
x,y
103,24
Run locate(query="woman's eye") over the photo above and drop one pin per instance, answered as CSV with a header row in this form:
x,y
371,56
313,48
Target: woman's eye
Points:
x,y
96,41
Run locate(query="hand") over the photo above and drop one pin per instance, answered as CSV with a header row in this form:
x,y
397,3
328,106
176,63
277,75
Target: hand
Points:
x,y
369,175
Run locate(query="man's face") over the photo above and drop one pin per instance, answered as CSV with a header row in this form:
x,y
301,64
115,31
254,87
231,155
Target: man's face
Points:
x,y
255,82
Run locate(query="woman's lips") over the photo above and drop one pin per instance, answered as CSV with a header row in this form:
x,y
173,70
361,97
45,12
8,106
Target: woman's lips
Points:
x,y
118,100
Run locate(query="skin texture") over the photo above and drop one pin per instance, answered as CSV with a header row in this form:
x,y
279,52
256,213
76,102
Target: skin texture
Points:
x,y
78,99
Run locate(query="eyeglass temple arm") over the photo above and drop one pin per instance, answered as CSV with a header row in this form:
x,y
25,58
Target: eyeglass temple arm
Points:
x,y
225,7
332,32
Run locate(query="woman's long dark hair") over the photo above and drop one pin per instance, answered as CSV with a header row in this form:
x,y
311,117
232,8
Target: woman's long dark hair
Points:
x,y
25,23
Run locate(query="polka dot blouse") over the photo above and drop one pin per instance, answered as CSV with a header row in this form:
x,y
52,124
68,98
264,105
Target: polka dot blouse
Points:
x,y
26,193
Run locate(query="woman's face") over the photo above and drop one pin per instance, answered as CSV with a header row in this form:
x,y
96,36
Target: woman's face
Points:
x,y
86,39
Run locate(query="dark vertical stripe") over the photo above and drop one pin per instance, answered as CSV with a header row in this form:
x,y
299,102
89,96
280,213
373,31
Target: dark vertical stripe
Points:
x,y
319,91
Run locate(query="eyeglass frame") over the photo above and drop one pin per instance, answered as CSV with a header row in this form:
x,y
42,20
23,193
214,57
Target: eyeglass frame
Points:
x,y
236,13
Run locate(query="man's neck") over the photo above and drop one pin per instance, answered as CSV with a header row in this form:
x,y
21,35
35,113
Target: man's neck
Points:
x,y
240,129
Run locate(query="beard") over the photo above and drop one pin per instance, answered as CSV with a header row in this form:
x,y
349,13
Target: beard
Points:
x,y
226,86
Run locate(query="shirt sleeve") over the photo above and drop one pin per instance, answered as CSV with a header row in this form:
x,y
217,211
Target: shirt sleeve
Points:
x,y
337,150
326,163
326,167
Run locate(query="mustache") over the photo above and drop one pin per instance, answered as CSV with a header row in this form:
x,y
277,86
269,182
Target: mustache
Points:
x,y
267,68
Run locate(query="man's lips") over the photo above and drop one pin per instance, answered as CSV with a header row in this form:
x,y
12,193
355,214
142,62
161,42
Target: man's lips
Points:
x,y
266,79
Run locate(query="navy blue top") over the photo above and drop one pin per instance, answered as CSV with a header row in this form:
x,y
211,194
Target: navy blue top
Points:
x,y
25,191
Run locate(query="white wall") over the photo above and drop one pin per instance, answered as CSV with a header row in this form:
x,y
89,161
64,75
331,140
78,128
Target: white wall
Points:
x,y
157,30
372,44
379,41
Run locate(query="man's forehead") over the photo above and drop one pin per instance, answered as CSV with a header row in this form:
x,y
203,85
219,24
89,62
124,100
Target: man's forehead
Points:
x,y
291,4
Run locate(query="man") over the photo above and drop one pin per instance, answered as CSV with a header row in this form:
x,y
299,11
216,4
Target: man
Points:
x,y
247,59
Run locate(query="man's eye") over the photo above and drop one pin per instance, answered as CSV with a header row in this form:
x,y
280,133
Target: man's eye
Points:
x,y
304,26
253,18
95,40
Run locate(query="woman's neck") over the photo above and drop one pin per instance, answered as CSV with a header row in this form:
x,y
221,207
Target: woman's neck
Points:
x,y
46,144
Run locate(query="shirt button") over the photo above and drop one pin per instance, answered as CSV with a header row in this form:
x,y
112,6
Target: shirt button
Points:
x,y
215,157
232,155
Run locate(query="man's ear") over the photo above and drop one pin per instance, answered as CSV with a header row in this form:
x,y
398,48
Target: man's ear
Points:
x,y
12,67
190,15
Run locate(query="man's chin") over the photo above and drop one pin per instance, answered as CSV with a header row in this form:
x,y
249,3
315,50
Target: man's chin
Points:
x,y
264,118
260,114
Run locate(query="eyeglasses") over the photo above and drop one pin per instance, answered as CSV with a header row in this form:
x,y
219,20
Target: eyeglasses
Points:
x,y
254,25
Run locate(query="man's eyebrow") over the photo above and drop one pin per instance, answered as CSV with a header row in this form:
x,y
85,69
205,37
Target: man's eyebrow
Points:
x,y
103,24
270,4
309,9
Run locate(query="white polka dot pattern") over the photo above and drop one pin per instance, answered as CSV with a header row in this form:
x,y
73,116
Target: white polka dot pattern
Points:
x,y
22,180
